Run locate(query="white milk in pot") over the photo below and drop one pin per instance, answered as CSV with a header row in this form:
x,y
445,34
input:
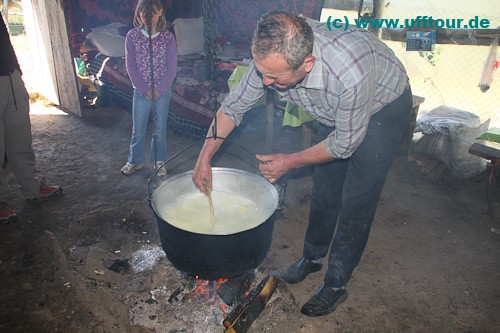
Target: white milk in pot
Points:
x,y
233,213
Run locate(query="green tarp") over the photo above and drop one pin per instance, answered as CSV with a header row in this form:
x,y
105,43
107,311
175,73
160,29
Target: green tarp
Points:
x,y
493,134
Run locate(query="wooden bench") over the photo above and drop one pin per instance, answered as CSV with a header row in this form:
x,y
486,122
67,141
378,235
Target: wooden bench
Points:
x,y
489,150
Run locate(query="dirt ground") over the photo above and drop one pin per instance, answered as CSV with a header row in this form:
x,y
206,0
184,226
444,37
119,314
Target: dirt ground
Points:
x,y
91,261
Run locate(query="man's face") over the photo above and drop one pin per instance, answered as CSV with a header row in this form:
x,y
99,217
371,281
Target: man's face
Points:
x,y
275,71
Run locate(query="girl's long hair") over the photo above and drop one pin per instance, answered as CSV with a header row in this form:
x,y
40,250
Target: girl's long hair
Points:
x,y
150,6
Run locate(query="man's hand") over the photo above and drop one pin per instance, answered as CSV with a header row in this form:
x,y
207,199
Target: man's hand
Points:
x,y
274,166
202,176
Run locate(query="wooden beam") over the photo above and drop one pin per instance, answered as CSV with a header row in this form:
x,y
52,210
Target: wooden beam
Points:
x,y
447,36
47,33
269,120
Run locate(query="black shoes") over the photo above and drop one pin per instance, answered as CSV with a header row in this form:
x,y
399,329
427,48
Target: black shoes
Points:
x,y
324,301
299,270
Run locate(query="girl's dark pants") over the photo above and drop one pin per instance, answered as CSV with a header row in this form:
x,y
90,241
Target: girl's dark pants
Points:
x,y
346,192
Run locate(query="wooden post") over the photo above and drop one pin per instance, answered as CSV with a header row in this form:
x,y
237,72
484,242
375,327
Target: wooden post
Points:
x,y
242,317
269,120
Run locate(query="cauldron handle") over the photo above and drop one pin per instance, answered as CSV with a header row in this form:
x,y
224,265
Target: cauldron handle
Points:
x,y
150,179
252,154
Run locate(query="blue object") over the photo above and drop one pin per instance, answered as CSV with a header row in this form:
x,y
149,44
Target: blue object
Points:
x,y
420,40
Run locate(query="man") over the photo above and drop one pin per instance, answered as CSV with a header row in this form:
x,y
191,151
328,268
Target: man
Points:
x,y
358,90
15,132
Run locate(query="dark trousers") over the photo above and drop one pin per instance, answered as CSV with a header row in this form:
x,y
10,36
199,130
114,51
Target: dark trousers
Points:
x,y
346,192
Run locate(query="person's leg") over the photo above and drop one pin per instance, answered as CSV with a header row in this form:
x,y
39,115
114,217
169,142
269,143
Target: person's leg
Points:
x,y
366,175
5,93
140,118
18,138
159,137
328,180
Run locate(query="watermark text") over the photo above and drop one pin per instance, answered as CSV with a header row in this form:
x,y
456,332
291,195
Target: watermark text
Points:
x,y
419,22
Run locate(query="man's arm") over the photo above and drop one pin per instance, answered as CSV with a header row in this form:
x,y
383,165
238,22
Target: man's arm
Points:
x,y
237,102
274,166
202,174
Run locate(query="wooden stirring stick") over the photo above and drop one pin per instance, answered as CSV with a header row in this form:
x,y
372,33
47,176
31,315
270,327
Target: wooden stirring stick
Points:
x,y
212,212
210,205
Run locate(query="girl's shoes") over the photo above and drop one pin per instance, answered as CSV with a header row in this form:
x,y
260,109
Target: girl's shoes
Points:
x,y
161,168
129,168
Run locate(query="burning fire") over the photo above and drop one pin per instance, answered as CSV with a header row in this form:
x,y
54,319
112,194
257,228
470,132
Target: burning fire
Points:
x,y
229,292
207,288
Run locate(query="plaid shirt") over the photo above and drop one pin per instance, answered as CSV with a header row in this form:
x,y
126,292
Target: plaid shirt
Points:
x,y
354,76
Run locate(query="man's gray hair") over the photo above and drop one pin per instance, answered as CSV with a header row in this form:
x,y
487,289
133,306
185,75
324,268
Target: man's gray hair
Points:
x,y
283,33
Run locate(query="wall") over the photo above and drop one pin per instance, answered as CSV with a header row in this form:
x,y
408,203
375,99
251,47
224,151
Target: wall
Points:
x,y
452,74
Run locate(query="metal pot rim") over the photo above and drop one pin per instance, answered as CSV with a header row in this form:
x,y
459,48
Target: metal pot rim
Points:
x,y
219,170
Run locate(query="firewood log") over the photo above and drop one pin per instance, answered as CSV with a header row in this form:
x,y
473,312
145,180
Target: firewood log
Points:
x,y
242,317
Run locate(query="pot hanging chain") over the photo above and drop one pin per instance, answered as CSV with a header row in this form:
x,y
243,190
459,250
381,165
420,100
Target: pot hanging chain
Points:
x,y
149,28
149,8
209,32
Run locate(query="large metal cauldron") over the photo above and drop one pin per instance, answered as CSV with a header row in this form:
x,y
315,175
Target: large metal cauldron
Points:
x,y
214,256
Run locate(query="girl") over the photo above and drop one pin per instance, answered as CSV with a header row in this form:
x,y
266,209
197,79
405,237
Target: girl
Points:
x,y
151,59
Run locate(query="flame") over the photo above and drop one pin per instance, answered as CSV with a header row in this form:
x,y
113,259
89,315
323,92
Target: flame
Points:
x,y
207,288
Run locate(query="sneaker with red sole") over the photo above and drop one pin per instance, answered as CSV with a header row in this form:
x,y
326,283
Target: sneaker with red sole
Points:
x,y
48,191
7,213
